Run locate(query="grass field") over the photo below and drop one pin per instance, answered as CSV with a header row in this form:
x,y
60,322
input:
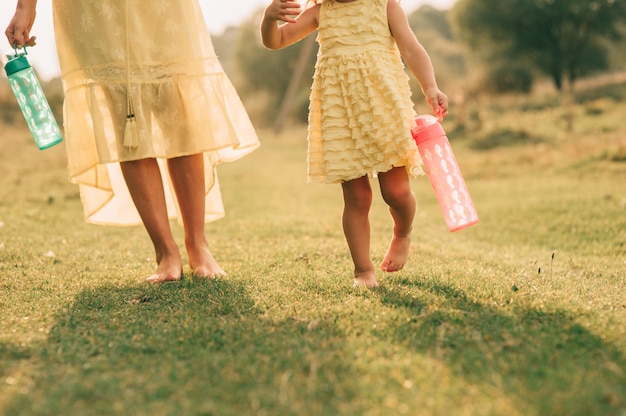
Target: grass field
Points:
x,y
523,314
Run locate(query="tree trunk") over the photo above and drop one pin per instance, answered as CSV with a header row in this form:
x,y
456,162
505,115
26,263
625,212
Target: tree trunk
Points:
x,y
294,83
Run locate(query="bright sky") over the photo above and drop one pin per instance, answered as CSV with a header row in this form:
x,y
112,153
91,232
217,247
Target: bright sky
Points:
x,y
219,14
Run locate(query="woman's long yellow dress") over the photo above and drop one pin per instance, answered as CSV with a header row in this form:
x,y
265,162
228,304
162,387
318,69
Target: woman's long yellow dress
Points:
x,y
158,56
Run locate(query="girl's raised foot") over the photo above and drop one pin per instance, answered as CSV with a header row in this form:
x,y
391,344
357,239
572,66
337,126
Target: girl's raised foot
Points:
x,y
397,254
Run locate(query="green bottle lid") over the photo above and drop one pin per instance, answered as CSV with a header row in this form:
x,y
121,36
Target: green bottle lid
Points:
x,y
16,64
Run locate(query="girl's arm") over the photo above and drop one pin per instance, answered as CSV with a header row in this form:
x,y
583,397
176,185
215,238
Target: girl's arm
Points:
x,y
416,58
18,31
277,36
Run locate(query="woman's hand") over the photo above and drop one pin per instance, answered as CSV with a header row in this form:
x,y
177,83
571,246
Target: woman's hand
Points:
x,y
18,31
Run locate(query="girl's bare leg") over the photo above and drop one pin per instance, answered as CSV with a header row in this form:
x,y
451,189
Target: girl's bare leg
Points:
x,y
187,175
397,193
357,196
143,179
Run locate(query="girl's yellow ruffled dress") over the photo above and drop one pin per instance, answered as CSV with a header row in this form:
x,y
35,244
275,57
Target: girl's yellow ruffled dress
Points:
x,y
155,60
361,113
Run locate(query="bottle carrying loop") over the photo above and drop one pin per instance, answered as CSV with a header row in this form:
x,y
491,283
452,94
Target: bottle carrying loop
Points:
x,y
17,53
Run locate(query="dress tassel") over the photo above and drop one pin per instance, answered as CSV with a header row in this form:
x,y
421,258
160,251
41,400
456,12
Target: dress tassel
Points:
x,y
130,133
131,138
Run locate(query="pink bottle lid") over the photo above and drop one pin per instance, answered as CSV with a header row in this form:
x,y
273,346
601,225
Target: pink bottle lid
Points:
x,y
425,120
427,128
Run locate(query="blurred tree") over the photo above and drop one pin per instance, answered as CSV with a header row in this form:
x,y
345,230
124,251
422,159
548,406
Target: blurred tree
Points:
x,y
510,78
270,71
295,82
433,30
428,18
561,38
223,45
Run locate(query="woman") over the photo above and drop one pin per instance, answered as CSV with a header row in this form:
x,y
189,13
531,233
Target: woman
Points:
x,y
148,109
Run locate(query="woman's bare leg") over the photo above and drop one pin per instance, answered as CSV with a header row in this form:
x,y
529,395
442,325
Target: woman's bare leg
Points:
x,y
357,196
187,175
143,179
397,193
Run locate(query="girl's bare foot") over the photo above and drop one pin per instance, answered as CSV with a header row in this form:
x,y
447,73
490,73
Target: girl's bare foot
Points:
x,y
168,270
203,265
397,254
366,279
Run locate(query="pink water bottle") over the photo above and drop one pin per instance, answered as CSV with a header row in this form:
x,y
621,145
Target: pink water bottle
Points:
x,y
444,173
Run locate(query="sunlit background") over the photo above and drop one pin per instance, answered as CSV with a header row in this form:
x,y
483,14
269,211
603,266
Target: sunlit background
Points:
x,y
218,15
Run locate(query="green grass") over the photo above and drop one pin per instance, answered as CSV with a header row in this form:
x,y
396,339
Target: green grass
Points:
x,y
523,314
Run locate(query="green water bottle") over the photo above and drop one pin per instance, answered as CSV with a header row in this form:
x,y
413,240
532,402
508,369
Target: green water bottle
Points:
x,y
32,101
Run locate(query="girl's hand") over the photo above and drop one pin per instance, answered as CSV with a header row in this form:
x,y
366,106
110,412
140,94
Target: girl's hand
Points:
x,y
438,101
301,23
283,10
18,31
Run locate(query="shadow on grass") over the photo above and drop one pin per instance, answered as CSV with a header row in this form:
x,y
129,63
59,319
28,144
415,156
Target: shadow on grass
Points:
x,y
545,361
196,347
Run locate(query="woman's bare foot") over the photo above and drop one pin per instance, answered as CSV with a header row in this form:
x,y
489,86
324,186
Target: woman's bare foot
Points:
x,y
397,254
203,265
168,270
366,279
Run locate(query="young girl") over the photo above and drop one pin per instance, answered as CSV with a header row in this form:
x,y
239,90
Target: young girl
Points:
x,y
360,113
148,115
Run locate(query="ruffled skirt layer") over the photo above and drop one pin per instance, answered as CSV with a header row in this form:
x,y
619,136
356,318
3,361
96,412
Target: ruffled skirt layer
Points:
x,y
360,117
175,117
